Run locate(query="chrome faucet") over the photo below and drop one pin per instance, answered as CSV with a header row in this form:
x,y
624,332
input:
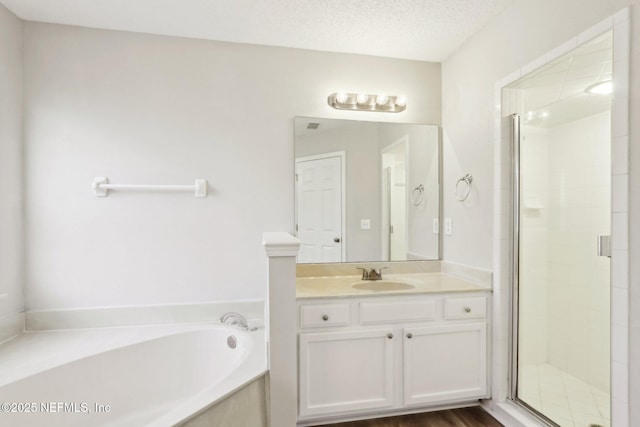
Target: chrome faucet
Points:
x,y
372,274
235,319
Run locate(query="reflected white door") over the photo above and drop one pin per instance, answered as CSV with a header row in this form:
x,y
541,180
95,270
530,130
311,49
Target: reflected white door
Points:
x,y
394,201
319,209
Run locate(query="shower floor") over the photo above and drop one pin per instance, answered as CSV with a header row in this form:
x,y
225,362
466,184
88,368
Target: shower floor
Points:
x,y
567,400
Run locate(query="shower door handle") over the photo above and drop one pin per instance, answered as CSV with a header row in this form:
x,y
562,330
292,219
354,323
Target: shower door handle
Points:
x,y
604,246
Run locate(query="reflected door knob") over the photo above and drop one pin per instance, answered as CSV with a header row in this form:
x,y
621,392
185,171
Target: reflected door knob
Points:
x,y
336,239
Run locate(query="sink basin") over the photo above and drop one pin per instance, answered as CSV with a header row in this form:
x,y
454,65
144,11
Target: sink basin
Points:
x,y
382,285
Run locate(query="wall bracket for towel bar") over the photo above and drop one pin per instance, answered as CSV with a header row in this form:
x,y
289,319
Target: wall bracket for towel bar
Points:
x,y
101,187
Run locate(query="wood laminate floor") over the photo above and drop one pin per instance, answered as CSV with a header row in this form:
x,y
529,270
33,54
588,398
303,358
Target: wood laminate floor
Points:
x,y
464,417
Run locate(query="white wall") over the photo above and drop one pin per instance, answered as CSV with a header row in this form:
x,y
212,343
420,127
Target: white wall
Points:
x,y
11,231
424,163
150,109
523,32
633,282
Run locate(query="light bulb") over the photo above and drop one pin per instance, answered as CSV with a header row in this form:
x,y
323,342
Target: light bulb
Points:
x,y
362,98
401,101
382,99
341,97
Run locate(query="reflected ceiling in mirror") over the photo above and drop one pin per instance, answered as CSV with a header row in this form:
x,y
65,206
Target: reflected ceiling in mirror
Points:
x,y
366,191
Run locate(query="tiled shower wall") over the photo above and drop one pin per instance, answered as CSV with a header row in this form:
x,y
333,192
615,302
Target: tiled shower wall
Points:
x,y
564,284
534,242
579,285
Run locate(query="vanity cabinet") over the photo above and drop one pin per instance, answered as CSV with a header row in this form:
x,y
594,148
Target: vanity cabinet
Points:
x,y
444,363
346,371
390,354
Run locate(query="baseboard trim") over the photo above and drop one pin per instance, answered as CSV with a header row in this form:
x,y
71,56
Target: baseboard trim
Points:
x,y
509,414
382,414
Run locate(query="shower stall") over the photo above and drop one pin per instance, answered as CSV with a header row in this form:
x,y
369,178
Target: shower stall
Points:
x,y
561,223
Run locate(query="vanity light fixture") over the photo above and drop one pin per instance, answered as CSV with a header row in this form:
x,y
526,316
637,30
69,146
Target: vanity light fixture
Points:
x,y
365,102
382,99
341,97
601,88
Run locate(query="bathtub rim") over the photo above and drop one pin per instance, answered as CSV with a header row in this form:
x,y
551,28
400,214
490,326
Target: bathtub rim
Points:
x,y
129,336
252,367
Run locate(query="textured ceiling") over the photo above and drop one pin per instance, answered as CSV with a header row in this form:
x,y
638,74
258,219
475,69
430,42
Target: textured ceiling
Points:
x,y
426,30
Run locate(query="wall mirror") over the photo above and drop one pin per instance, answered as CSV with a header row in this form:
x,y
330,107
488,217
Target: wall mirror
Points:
x,y
366,191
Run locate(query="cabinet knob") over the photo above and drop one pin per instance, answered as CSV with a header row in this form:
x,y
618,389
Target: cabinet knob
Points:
x,y
409,335
390,336
325,317
467,309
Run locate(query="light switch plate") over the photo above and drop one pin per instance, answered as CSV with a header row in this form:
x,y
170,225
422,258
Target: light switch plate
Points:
x,y
365,224
448,226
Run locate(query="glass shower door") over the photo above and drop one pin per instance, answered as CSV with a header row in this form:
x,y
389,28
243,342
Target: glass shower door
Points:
x,y
563,281
562,204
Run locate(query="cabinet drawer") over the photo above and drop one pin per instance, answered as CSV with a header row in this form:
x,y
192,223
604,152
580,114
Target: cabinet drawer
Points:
x,y
383,312
465,308
316,316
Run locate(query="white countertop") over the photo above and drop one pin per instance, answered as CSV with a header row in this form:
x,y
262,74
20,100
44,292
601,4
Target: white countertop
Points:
x,y
424,283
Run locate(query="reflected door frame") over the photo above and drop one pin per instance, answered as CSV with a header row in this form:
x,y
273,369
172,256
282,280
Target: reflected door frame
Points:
x,y
384,198
343,157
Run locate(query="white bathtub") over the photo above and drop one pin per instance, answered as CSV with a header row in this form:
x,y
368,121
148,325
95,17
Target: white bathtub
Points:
x,y
148,376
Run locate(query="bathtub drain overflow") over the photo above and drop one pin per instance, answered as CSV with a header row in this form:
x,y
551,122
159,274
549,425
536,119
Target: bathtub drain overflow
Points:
x,y
232,342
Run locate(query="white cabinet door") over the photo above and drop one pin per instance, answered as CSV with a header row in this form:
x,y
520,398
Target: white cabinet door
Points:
x,y
444,363
346,371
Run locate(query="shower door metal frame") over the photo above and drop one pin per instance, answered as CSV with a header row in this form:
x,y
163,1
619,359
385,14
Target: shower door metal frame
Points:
x,y
515,261
515,278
